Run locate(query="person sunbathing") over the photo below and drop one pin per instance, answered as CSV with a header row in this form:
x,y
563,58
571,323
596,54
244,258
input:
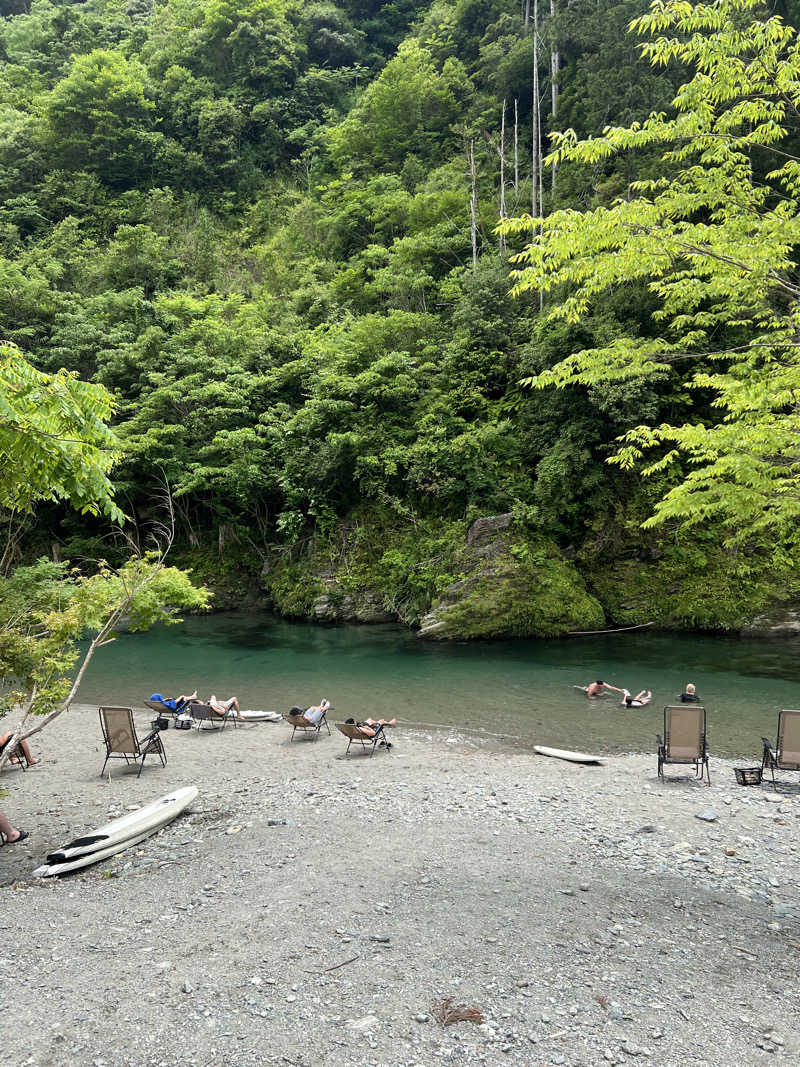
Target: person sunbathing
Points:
x,y
372,727
174,703
225,707
316,713
5,738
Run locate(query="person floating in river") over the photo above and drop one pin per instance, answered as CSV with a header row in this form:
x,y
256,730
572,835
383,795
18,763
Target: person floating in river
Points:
x,y
689,695
639,701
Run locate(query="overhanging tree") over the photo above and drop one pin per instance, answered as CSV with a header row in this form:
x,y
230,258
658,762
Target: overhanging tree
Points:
x,y
55,444
715,240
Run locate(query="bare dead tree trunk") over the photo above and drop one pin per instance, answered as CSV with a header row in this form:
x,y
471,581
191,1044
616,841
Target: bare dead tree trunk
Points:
x,y
555,61
516,152
502,241
536,138
473,207
537,185
527,14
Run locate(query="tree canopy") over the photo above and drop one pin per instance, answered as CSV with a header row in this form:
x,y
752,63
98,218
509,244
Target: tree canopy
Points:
x,y
714,239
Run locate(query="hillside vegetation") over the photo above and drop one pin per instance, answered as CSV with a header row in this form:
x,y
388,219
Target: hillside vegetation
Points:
x,y
269,230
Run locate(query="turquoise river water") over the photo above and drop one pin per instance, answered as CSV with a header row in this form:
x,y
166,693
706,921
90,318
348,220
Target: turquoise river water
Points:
x,y
521,689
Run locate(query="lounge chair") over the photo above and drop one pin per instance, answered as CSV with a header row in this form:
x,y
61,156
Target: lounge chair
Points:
x,y
684,739
296,719
204,713
119,735
785,756
367,741
17,756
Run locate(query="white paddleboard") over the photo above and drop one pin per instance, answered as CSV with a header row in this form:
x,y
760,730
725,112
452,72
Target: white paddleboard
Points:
x,y
136,824
260,716
48,870
573,757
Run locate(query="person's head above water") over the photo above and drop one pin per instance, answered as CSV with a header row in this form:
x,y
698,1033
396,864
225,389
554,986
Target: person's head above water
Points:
x,y
599,681
689,687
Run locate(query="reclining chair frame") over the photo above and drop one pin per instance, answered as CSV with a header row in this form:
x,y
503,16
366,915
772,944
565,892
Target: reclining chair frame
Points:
x,y
774,758
122,742
694,755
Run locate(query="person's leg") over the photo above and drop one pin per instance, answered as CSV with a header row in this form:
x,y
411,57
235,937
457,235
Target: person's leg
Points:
x,y
26,749
10,833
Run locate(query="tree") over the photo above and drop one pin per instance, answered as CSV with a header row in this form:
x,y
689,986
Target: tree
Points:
x,y
100,119
715,241
55,444
54,441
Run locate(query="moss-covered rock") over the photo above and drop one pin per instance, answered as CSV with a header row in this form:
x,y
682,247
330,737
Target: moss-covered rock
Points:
x,y
513,585
689,581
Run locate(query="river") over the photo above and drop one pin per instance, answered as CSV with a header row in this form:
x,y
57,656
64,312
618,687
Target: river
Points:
x,y
522,689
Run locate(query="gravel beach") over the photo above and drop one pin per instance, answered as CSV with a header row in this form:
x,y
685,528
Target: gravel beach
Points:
x,y
312,910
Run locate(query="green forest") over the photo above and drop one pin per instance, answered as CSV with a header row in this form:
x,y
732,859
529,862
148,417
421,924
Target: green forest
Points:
x,y
475,315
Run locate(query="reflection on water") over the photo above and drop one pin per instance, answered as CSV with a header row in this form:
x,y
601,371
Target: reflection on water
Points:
x,y
522,688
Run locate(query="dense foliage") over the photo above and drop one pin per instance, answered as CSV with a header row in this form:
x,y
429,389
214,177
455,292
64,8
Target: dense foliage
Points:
x,y
250,221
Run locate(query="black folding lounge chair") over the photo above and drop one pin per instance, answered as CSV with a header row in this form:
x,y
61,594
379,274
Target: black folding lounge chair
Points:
x,y
368,743
296,719
785,756
204,713
17,755
119,735
684,739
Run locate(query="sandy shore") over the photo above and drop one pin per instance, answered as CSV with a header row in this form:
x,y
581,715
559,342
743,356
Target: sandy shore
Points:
x,y
311,909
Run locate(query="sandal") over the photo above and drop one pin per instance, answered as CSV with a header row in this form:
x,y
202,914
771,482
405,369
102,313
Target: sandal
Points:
x,y
22,835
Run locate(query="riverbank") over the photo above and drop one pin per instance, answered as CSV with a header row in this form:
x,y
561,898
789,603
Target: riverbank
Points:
x,y
312,909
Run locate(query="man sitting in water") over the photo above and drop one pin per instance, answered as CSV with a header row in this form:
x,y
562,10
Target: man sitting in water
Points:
x,y
595,689
689,696
639,701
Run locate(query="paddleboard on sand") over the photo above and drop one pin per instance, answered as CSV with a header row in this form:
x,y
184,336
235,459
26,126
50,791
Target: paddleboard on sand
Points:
x,y
119,833
573,757
48,870
258,716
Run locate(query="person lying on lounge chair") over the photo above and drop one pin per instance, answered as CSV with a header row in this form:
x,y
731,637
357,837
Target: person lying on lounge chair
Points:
x,y
5,738
316,713
371,727
174,703
225,707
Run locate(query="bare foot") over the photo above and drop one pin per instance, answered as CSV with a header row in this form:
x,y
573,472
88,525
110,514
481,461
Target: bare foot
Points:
x,y
33,762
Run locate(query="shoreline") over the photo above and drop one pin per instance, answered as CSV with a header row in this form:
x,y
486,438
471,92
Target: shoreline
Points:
x,y
311,909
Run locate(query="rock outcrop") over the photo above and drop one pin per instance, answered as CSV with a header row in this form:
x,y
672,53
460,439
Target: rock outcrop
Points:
x,y
512,585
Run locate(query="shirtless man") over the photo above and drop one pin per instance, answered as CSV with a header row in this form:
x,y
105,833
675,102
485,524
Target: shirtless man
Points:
x,y
595,689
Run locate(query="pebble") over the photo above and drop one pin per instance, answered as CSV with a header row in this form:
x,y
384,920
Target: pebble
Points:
x,y
707,815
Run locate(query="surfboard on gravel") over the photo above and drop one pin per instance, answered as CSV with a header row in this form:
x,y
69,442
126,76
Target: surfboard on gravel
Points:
x,y
119,834
258,716
572,757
